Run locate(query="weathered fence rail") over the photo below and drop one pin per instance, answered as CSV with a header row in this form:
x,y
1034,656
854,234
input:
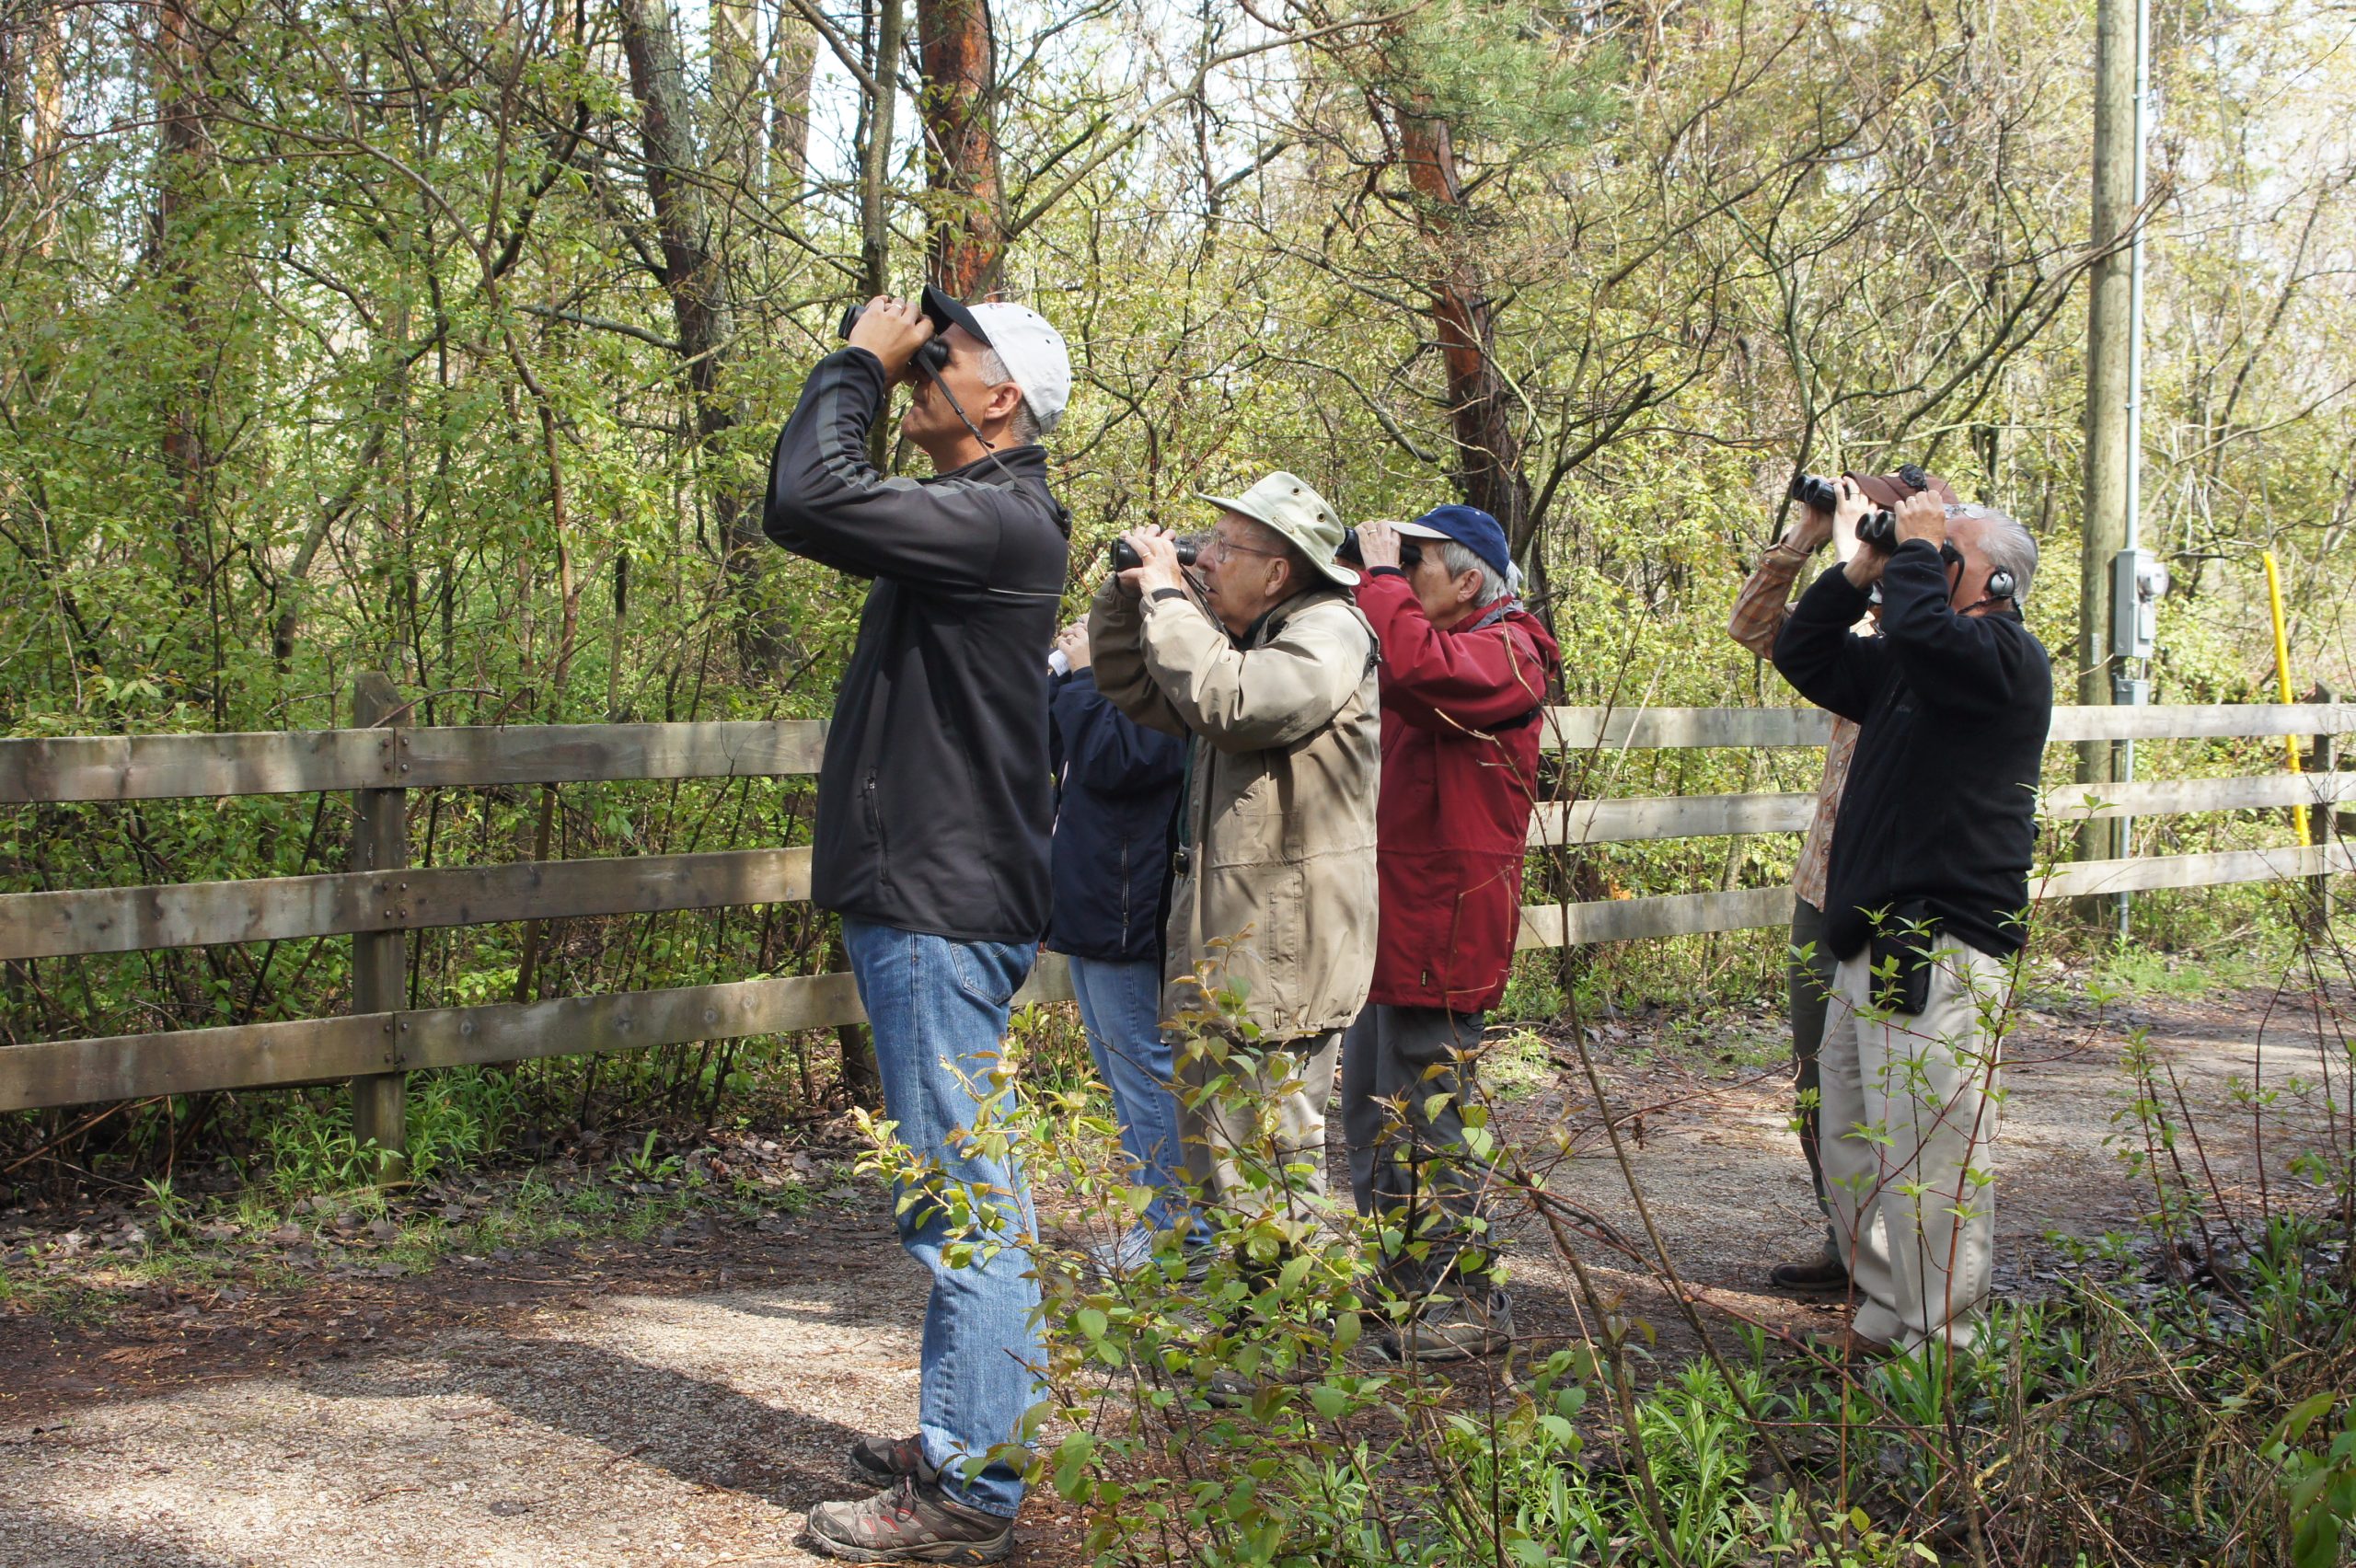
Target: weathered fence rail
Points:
x,y
383,898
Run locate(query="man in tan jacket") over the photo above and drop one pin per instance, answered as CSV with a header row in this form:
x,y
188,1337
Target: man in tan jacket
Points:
x,y
1271,673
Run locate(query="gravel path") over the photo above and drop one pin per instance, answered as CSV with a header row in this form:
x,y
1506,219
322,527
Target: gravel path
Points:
x,y
686,1403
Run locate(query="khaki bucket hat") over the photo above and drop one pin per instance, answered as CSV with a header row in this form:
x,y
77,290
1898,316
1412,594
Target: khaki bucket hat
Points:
x,y
1286,503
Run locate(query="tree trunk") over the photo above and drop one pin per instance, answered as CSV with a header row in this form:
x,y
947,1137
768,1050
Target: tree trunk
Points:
x,y
795,61
183,151
700,305
49,122
32,96
734,127
1481,409
875,153
874,173
966,244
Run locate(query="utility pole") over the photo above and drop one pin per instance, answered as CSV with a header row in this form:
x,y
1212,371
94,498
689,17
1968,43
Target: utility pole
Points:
x,y
2136,577
2111,440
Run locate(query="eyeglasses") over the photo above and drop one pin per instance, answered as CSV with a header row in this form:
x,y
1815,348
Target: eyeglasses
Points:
x,y
1224,548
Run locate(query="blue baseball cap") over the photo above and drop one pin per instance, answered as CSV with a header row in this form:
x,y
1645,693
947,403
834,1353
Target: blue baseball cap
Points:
x,y
1468,526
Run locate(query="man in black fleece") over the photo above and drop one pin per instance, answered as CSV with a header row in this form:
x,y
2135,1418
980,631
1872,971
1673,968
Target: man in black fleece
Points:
x,y
1925,899
931,843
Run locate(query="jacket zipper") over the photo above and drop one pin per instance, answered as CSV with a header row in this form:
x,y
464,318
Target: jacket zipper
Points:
x,y
875,821
1124,895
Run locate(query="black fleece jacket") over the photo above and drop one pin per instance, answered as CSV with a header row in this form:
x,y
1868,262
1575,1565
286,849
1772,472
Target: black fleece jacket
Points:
x,y
1941,802
934,800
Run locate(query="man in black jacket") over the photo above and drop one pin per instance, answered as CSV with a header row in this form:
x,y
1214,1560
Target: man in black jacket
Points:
x,y
1925,899
931,843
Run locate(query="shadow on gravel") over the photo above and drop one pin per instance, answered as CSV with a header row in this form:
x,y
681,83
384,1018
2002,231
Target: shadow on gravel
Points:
x,y
704,1433
52,1542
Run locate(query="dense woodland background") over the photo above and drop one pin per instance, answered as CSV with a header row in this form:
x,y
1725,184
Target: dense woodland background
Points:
x,y
449,339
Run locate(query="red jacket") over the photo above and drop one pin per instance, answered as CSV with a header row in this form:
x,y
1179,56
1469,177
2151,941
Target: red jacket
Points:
x,y
1461,728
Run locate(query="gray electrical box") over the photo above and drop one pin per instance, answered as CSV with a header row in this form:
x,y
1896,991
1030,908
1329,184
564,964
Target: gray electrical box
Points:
x,y
2138,584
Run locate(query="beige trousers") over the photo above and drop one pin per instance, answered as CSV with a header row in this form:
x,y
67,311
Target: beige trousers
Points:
x,y
1909,1120
1248,1143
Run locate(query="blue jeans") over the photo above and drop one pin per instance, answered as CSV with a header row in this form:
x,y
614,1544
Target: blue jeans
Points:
x,y
1120,1003
939,1010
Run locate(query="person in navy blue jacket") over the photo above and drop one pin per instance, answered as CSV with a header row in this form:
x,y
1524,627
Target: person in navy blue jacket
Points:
x,y
1117,784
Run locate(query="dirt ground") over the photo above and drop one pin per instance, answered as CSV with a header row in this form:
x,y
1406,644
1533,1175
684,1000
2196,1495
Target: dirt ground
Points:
x,y
684,1400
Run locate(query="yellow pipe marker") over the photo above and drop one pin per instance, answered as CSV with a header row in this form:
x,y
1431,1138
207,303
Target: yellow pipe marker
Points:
x,y
2282,681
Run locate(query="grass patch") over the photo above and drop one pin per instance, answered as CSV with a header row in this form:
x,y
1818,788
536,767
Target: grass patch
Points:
x,y
1516,1066
2147,972
259,1238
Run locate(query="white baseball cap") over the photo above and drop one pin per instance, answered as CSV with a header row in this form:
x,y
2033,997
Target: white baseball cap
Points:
x,y
1032,351
1034,356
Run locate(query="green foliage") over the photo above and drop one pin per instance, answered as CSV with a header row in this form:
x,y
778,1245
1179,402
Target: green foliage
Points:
x,y
2322,1480
296,431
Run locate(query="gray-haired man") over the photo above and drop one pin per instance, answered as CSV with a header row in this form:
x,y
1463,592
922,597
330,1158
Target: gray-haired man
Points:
x,y
1272,673
1925,900
1761,607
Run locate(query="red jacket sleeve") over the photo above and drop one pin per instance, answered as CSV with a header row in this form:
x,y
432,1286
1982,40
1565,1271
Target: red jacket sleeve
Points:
x,y
1446,680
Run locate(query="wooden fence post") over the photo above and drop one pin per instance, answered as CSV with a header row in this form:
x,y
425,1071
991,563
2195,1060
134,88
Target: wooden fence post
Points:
x,y
2324,817
381,959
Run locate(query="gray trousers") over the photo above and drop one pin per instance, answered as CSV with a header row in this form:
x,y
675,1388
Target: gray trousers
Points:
x,y
1257,1148
1408,1156
1913,1174
1810,985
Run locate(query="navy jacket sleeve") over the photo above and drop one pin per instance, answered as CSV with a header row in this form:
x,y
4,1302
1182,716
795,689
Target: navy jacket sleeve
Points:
x,y
1963,664
1825,663
828,502
1105,748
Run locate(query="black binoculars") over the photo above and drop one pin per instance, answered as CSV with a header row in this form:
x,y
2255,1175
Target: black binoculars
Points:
x,y
932,355
1411,554
1126,556
1877,528
1809,490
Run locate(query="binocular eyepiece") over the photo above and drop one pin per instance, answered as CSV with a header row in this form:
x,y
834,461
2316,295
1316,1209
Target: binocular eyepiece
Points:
x,y
1812,490
1877,528
1126,557
932,355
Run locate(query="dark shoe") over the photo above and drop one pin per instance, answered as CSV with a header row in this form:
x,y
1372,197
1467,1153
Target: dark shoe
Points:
x,y
1458,1331
879,1461
1226,1388
1819,1276
909,1521
1135,1253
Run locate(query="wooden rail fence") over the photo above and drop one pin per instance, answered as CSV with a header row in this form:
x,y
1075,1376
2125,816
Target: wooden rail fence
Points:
x,y
382,898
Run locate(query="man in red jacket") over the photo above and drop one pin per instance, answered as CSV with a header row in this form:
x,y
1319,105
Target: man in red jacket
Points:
x,y
1465,673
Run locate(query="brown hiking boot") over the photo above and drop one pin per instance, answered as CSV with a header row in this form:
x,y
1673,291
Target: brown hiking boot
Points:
x,y
909,1521
879,1461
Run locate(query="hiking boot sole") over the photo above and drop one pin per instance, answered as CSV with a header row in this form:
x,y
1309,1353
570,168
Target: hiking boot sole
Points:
x,y
942,1551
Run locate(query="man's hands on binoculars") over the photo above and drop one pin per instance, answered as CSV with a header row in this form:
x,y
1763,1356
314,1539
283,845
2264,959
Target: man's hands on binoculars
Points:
x,y
1923,516
1378,545
1819,521
1158,566
893,330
